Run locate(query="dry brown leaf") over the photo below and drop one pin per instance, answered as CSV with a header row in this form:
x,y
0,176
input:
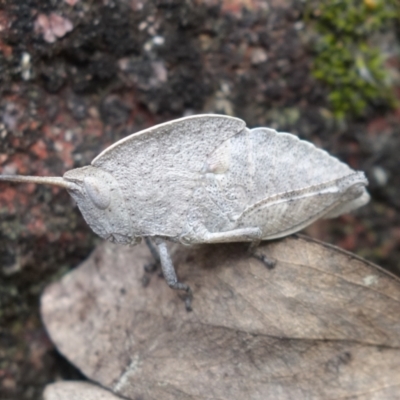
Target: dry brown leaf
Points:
x,y
75,390
322,324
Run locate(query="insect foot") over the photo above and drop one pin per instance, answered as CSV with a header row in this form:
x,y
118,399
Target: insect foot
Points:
x,y
208,179
268,262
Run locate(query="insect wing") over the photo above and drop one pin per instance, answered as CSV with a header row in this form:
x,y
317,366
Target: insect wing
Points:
x,y
302,183
274,181
159,168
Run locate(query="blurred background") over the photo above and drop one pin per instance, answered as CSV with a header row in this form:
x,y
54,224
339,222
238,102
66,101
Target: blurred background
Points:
x,y
77,75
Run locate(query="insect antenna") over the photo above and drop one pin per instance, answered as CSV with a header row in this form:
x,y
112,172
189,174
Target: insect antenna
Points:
x,y
51,180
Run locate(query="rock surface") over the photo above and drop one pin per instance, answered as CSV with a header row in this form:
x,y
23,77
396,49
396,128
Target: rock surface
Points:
x,y
320,324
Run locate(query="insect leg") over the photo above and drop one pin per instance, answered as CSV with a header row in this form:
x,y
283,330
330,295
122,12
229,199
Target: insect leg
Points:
x,y
170,274
268,262
152,266
237,235
152,249
253,245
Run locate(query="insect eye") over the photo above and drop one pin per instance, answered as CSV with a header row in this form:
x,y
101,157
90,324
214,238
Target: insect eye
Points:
x,y
98,192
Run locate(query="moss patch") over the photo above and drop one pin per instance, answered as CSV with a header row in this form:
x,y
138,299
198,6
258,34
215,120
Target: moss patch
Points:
x,y
347,61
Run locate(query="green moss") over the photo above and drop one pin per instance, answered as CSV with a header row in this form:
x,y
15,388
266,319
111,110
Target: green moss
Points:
x,y
351,67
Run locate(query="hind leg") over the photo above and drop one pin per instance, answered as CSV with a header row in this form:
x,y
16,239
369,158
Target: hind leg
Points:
x,y
268,262
236,235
